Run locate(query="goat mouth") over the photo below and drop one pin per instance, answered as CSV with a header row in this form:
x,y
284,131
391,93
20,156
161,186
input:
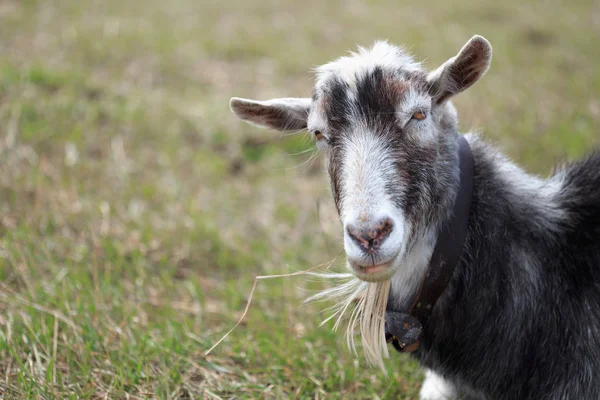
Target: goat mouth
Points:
x,y
372,273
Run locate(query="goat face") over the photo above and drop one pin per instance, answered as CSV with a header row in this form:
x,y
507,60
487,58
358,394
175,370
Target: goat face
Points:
x,y
389,136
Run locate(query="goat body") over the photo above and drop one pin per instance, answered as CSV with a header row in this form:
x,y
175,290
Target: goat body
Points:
x,y
521,317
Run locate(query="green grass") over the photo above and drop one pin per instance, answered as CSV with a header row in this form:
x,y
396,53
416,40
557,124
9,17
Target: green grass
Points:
x,y
135,210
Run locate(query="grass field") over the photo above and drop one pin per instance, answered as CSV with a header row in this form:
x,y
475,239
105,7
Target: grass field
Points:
x,y
135,210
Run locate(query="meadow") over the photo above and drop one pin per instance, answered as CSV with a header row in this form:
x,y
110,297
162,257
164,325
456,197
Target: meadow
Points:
x,y
135,210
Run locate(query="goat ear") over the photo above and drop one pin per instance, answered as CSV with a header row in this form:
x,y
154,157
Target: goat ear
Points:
x,y
286,114
461,71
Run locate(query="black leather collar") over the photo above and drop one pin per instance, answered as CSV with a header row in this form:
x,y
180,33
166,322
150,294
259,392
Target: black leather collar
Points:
x,y
404,330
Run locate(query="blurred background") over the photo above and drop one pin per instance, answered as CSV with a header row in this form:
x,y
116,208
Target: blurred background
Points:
x,y
135,210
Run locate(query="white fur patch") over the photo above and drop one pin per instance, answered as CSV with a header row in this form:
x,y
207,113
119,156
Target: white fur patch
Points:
x,y
367,167
437,388
358,64
410,271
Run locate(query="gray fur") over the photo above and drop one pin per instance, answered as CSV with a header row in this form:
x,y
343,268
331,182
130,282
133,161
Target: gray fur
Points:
x,y
521,316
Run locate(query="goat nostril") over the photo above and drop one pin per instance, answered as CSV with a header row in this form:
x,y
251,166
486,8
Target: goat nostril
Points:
x,y
370,238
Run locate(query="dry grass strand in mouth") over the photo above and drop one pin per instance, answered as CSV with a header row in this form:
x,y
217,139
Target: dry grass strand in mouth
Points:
x,y
364,304
251,295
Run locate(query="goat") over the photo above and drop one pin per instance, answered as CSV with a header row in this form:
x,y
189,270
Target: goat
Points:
x,y
519,317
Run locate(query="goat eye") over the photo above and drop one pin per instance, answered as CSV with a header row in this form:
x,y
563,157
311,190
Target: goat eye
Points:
x,y
318,135
419,115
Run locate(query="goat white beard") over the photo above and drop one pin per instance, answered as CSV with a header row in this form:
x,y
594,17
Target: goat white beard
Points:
x,y
364,303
